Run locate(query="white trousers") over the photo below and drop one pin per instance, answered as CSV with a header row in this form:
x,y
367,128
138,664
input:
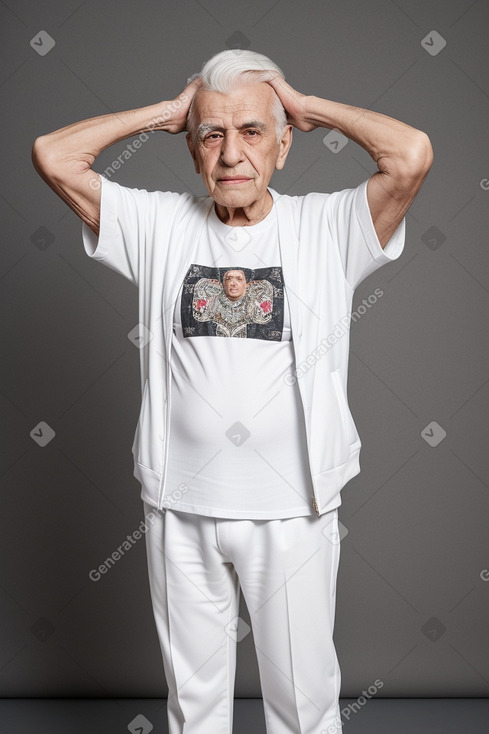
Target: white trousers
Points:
x,y
287,572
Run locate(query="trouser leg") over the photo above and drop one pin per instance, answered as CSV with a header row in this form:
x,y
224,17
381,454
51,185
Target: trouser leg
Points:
x,y
287,571
195,597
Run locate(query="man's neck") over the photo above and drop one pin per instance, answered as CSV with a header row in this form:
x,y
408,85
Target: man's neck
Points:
x,y
245,216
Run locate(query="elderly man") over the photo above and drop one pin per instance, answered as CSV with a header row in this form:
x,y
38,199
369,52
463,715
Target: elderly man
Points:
x,y
243,445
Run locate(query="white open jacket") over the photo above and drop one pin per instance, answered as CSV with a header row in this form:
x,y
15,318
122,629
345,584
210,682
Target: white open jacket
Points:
x,y
328,245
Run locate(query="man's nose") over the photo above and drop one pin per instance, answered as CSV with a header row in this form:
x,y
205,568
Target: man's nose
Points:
x,y
231,149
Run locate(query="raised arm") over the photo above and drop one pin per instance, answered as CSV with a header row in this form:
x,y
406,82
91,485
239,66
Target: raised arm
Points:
x,y
64,157
402,153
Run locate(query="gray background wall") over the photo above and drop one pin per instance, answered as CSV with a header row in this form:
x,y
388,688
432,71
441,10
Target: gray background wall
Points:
x,y
413,585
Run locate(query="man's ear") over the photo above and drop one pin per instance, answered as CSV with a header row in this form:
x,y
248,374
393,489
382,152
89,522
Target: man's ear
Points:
x,y
285,143
191,148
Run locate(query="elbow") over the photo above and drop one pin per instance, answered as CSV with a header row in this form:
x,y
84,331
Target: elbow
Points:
x,y
410,168
45,160
420,157
41,155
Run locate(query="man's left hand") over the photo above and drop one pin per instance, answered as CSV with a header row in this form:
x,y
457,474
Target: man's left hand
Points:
x,y
295,104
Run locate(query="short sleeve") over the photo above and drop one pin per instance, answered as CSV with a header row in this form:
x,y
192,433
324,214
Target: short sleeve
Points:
x,y
353,232
123,218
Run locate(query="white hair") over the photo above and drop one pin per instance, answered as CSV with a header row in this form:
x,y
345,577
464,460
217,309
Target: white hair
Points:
x,y
229,70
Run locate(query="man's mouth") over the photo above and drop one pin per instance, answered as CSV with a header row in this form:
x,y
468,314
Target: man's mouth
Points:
x,y
229,180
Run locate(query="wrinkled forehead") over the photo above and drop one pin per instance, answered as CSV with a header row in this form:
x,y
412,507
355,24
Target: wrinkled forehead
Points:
x,y
235,108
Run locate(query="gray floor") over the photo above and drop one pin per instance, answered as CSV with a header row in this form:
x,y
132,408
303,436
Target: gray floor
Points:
x,y
141,716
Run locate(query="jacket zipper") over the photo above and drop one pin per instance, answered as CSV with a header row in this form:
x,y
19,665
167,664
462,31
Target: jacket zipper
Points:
x,y
167,428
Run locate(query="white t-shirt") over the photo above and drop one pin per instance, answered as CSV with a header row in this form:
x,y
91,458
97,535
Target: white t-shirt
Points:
x,y
237,446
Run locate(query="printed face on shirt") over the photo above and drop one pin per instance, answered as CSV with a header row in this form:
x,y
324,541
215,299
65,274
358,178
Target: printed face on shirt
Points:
x,y
233,302
236,148
234,284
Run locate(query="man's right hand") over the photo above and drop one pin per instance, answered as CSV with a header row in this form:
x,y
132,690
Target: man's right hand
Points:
x,y
174,113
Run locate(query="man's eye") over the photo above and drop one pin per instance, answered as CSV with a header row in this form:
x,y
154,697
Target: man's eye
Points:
x,y
253,133
212,137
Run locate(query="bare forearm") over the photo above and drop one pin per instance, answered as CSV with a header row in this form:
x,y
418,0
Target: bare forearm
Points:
x,y
73,149
393,145
64,157
402,153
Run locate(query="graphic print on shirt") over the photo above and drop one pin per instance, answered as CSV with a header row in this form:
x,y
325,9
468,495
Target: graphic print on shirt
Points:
x,y
234,302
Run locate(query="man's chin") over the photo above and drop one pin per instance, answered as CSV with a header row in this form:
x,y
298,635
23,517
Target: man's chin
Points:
x,y
241,195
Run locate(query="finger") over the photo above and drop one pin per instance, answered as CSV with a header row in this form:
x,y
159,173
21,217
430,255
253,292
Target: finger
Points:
x,y
278,82
191,89
194,85
194,76
275,81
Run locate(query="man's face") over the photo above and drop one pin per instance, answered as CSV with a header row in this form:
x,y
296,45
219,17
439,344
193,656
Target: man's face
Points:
x,y
234,284
236,148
